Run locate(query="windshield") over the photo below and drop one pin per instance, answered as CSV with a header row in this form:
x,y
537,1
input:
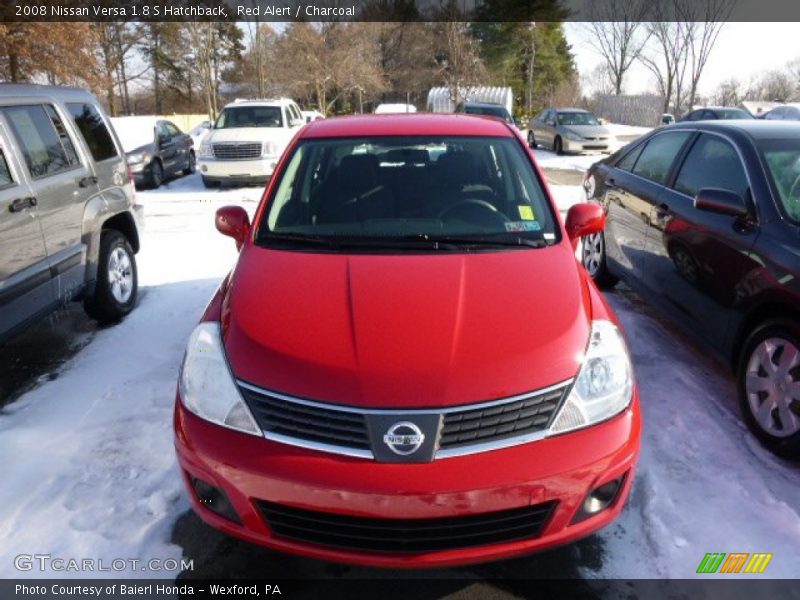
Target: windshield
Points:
x,y
577,118
783,162
421,192
489,111
734,113
249,116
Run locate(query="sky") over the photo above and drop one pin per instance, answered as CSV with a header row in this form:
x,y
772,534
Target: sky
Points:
x,y
743,50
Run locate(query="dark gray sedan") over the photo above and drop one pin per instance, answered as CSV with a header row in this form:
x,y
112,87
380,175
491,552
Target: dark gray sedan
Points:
x,y
159,151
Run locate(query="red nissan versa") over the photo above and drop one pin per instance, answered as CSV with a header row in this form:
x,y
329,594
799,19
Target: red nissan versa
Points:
x,y
408,367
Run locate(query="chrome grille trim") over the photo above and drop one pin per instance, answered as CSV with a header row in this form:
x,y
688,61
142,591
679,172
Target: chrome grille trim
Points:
x,y
237,150
399,413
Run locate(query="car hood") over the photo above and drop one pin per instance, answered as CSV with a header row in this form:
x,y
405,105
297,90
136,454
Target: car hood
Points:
x,y
588,130
249,134
406,330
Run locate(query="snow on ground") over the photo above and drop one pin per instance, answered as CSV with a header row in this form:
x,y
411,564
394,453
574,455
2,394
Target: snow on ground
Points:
x,y
92,471
703,484
577,162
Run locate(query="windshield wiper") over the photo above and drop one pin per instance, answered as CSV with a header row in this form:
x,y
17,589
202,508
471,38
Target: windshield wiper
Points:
x,y
492,239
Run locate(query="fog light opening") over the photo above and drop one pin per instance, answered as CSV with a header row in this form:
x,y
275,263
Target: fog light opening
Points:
x,y
214,499
600,498
204,168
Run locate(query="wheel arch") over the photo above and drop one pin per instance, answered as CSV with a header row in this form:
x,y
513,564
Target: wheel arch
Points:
x,y
763,313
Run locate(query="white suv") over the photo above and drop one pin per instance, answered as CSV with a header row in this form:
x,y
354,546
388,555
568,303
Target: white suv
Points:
x,y
247,140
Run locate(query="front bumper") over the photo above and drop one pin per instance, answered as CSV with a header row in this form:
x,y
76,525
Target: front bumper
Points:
x,y
259,169
562,469
586,146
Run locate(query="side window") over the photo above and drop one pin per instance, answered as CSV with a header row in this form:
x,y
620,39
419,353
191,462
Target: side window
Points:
x,y
627,162
94,131
161,131
657,157
44,141
6,180
172,129
712,162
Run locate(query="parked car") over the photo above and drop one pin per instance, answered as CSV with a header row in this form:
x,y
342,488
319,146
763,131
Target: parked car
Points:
x,y
386,380
384,109
713,113
248,138
667,119
486,109
156,150
788,112
702,220
568,130
311,115
68,222
199,132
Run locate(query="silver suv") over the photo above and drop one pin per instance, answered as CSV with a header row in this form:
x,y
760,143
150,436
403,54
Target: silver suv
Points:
x,y
68,222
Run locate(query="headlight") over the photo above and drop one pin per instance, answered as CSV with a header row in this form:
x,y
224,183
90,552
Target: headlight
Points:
x,y
140,157
206,151
604,385
206,383
570,135
270,149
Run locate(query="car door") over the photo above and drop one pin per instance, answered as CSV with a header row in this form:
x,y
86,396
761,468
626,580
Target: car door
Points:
x,y
181,144
61,180
167,148
695,258
544,129
26,286
633,187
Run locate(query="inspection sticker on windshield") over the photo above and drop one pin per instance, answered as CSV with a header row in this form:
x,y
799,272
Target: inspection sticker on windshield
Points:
x,y
523,226
526,212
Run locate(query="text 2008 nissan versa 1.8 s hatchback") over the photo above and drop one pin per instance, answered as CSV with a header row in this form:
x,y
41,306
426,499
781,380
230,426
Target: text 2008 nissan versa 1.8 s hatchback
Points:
x,y
408,367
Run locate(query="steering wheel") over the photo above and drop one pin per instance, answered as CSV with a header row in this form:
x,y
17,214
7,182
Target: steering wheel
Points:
x,y
472,208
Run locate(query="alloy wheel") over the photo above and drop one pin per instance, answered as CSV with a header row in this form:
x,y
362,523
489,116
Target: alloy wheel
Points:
x,y
772,385
593,253
120,275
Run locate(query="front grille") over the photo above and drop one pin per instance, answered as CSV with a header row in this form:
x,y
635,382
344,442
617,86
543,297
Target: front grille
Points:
x,y
307,422
398,536
237,151
528,415
346,430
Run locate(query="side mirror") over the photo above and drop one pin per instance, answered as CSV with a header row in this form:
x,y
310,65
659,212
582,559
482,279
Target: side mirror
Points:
x,y
723,202
233,222
584,219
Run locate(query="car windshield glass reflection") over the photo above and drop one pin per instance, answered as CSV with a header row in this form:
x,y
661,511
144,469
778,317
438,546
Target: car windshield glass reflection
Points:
x,y
577,118
783,160
433,193
249,116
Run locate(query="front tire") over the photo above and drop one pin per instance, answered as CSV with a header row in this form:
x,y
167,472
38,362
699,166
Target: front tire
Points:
x,y
156,174
593,259
117,280
769,386
558,146
531,140
192,165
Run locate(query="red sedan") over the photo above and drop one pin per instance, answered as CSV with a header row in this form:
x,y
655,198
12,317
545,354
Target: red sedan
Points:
x,y
408,367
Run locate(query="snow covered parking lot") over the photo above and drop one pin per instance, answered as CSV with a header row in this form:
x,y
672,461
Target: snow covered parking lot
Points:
x,y
89,468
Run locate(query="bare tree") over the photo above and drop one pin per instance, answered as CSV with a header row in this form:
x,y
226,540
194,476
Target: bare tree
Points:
x,y
666,57
619,35
728,93
704,22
